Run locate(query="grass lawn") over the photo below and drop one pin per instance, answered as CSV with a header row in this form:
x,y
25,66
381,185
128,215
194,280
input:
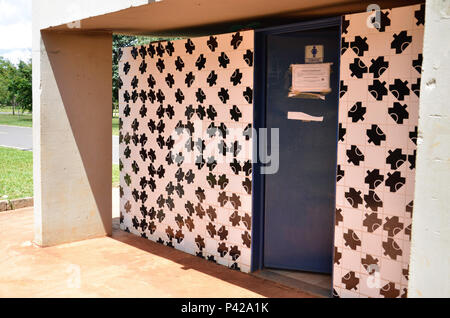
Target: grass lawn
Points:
x,y
115,176
9,109
115,126
25,120
16,174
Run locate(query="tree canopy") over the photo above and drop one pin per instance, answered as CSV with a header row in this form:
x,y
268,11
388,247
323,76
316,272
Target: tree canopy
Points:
x,y
16,85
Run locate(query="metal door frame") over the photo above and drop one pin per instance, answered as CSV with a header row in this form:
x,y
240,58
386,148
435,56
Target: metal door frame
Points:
x,y
259,121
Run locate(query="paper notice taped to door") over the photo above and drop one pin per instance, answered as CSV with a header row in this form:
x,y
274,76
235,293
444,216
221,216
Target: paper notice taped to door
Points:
x,y
304,117
311,78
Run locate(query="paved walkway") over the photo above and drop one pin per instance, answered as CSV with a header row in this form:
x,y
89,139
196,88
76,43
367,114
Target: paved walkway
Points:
x,y
22,138
120,266
16,137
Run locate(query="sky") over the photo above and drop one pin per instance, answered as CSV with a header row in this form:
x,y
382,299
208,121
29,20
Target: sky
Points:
x,y
15,29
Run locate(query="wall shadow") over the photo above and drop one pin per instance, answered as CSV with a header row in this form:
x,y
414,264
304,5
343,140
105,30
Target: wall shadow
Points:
x,y
250,282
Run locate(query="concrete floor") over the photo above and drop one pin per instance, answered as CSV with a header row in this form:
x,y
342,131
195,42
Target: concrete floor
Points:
x,y
317,279
314,283
119,266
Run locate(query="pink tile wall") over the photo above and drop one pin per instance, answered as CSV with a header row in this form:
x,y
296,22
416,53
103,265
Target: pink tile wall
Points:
x,y
380,81
204,86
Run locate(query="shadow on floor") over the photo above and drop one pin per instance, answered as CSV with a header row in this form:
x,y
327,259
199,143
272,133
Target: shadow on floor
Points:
x,y
255,284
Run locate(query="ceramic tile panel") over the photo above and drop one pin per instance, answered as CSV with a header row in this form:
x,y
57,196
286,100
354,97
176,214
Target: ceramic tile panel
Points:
x,y
378,118
185,109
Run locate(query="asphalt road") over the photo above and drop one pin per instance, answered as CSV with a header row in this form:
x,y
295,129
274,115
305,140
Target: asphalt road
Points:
x,y
22,138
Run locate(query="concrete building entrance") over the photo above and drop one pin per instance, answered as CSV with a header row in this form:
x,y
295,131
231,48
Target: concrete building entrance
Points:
x,y
72,126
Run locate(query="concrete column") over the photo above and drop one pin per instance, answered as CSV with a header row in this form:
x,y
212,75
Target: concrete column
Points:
x,y
430,251
72,137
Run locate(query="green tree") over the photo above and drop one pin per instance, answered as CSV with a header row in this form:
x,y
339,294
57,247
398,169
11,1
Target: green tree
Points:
x,y
15,85
7,70
20,87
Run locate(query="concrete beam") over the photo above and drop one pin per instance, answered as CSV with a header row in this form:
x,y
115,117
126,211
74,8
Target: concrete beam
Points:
x,y
196,17
72,137
57,12
430,250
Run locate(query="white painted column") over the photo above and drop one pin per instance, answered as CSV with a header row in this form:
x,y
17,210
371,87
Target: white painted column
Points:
x,y
72,137
430,251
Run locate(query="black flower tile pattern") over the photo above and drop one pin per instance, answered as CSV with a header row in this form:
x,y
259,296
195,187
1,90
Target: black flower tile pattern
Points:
x,y
186,113
378,118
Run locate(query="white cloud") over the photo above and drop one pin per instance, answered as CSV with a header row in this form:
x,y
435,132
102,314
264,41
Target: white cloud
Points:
x,y
15,36
15,29
15,56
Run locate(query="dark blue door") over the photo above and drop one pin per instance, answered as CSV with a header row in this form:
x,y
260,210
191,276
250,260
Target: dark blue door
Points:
x,y
300,198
